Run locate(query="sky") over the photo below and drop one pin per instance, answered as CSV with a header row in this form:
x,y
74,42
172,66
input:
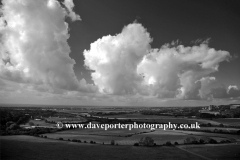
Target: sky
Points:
x,y
120,53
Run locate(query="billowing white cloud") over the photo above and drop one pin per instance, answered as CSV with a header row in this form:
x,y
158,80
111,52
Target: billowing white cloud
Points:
x,y
231,91
69,5
34,53
115,58
126,64
176,71
33,45
205,86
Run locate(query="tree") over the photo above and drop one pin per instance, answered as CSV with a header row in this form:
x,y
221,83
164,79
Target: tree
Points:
x,y
233,140
221,125
222,141
204,139
190,140
238,132
21,120
201,141
9,123
209,124
146,141
112,142
31,124
212,141
136,144
14,126
168,143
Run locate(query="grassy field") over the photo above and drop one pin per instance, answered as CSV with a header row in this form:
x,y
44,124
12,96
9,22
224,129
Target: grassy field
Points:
x,y
169,119
41,123
222,128
213,135
119,135
33,148
136,116
114,132
220,152
72,120
229,121
165,119
55,119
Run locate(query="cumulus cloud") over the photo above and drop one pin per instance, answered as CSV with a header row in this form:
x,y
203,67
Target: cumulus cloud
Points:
x,y
126,64
115,59
69,5
34,53
205,83
33,44
177,71
231,91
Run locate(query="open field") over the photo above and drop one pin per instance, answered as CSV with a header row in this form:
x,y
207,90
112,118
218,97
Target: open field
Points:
x,y
103,110
220,152
75,111
136,116
225,129
71,120
225,122
33,148
207,134
170,119
229,121
160,119
111,132
13,147
55,119
40,123
120,135
165,119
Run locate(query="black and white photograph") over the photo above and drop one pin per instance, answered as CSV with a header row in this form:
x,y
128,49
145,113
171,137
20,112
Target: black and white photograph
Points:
x,y
119,79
